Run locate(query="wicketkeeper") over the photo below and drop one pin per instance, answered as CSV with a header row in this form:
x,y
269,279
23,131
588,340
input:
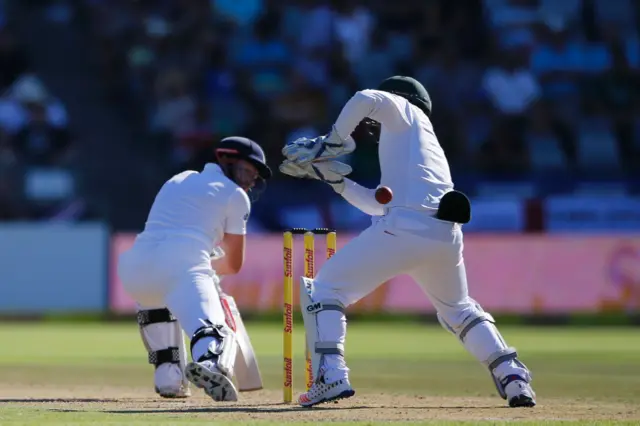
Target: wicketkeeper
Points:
x,y
418,233
172,276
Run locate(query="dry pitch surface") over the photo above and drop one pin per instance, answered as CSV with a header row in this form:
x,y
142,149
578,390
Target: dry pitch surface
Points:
x,y
590,376
113,404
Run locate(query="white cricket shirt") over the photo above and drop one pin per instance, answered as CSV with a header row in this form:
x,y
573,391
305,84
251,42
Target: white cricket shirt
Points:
x,y
412,162
200,205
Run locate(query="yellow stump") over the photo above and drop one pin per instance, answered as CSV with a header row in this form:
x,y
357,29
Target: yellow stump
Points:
x,y
288,317
331,244
309,272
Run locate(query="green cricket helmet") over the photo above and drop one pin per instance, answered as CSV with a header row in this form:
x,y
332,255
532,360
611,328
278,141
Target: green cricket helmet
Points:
x,y
410,89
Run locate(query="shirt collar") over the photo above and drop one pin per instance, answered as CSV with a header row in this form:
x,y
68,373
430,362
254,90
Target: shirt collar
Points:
x,y
212,168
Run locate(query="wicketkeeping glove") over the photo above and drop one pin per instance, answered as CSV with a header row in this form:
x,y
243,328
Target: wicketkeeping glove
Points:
x,y
305,150
330,172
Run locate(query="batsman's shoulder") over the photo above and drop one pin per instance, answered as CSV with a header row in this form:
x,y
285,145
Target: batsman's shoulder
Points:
x,y
239,201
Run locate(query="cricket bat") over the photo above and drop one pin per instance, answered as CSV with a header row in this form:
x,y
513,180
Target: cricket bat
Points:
x,y
246,370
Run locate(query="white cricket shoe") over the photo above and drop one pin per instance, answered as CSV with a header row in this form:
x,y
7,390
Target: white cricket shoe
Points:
x,y
519,392
205,375
180,392
322,392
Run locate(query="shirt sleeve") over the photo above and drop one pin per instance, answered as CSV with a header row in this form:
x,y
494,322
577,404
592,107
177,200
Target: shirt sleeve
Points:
x,y
238,210
390,110
362,198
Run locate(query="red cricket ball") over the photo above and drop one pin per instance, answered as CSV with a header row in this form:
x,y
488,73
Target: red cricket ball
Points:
x,y
384,195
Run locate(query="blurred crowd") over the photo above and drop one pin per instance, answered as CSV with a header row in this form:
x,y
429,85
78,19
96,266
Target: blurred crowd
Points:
x,y
516,84
36,147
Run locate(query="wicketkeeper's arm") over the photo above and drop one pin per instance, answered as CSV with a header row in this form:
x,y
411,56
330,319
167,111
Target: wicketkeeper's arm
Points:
x,y
361,198
379,106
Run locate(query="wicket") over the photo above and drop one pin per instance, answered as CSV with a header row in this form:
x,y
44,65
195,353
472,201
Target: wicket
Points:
x,y
309,272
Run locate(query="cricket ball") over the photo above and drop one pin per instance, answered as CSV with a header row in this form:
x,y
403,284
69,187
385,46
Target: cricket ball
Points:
x,y
384,195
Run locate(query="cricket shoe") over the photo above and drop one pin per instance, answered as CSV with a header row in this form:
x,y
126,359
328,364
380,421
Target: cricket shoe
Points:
x,y
180,392
322,392
519,392
205,375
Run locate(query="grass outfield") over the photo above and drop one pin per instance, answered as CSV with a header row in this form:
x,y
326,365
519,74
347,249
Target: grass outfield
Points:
x,y
408,373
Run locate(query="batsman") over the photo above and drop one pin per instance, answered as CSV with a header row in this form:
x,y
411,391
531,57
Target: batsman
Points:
x,y
419,232
194,234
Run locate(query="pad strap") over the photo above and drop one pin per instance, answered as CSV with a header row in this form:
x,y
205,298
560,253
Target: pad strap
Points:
x,y
329,348
501,356
497,358
473,323
170,355
468,323
154,316
325,305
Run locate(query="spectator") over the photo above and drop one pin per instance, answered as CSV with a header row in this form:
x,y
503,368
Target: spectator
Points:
x,y
597,145
300,105
175,105
308,25
452,82
353,24
196,136
378,63
513,21
315,66
510,86
264,56
567,11
556,63
544,147
40,143
243,13
618,13
26,91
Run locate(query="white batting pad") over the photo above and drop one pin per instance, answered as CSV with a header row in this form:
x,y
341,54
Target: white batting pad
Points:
x,y
162,336
323,338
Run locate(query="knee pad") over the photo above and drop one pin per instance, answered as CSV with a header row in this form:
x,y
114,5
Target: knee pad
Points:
x,y
223,349
310,309
162,337
475,317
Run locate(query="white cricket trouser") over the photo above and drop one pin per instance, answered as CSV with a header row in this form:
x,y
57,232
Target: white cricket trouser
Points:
x,y
173,272
429,251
